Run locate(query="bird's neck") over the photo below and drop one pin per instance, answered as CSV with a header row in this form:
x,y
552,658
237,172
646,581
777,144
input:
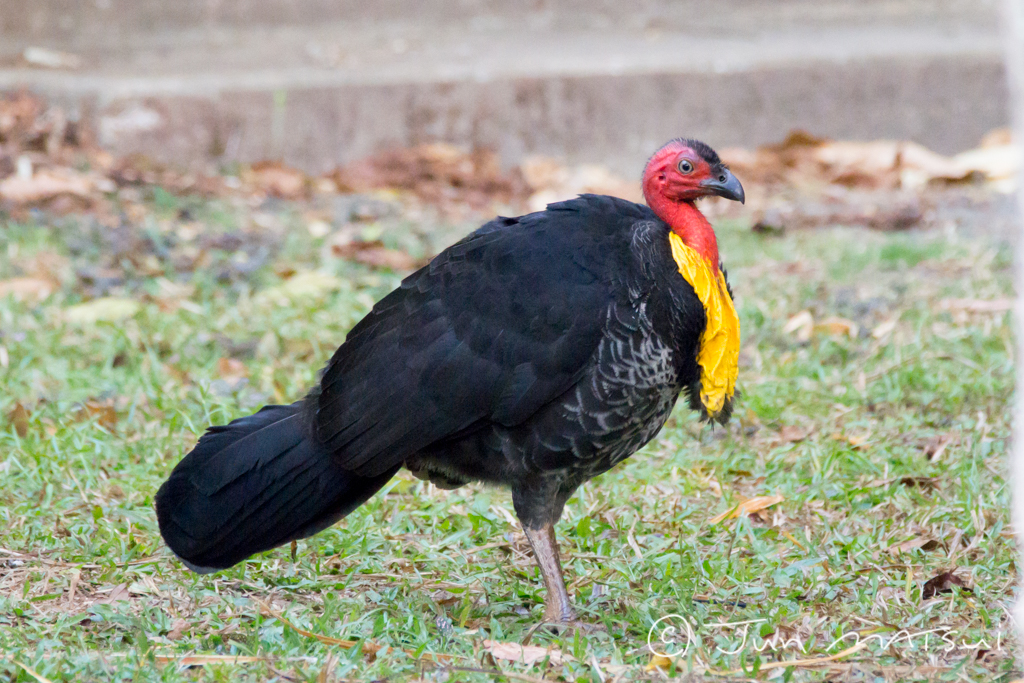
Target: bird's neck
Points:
x,y
689,223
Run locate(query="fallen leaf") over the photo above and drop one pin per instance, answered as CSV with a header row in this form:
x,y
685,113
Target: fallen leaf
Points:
x,y
907,546
935,447
792,434
106,309
997,137
997,162
801,324
116,594
279,180
44,185
920,482
318,228
524,654
27,288
231,370
870,164
437,174
856,440
883,329
862,382
943,583
375,254
769,225
837,327
104,414
177,629
304,285
658,662
18,418
978,305
76,576
747,507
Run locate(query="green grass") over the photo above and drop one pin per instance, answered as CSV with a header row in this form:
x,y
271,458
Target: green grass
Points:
x,y
840,426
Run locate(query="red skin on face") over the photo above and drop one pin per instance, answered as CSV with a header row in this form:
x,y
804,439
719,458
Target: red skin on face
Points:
x,y
671,195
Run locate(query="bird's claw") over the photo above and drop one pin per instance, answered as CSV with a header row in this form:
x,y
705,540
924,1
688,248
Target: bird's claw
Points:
x,y
576,624
564,623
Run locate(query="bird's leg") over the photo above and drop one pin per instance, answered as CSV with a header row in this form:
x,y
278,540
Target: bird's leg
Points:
x,y
538,504
557,607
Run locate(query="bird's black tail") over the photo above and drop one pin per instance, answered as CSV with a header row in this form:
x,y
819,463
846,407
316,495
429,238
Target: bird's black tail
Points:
x,y
253,485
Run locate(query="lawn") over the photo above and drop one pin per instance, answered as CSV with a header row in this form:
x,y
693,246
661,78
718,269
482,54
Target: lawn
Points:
x,y
870,440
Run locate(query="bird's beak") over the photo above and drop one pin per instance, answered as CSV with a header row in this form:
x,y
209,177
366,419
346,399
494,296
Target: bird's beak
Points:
x,y
724,184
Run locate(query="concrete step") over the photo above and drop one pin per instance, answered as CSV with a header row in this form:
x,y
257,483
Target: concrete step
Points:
x,y
609,90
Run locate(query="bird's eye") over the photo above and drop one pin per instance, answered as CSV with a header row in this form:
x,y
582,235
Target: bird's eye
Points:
x,y
685,166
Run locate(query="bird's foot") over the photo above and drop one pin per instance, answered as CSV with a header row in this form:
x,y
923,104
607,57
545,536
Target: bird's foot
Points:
x,y
561,622
577,624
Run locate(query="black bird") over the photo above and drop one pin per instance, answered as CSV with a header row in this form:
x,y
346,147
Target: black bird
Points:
x,y
536,353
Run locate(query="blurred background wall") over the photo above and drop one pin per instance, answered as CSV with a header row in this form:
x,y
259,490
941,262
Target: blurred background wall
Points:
x,y
317,83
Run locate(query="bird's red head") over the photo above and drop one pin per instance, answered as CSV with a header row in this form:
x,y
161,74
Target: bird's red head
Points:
x,y
680,173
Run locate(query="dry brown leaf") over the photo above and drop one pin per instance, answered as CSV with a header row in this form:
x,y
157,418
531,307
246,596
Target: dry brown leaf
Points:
x,y
659,662
747,507
524,654
997,137
231,369
883,329
994,163
943,583
837,327
279,180
76,576
805,161
921,482
907,546
869,164
303,285
854,440
553,182
792,434
438,174
116,594
801,325
978,305
18,418
46,184
27,288
375,254
104,414
934,448
177,629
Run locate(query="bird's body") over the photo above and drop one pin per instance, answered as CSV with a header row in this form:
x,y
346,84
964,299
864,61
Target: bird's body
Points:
x,y
535,354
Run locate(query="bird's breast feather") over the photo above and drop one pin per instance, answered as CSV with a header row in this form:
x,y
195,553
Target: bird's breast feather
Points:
x,y
719,349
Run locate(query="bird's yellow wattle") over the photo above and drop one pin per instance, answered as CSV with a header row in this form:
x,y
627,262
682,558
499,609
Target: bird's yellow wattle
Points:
x,y
719,351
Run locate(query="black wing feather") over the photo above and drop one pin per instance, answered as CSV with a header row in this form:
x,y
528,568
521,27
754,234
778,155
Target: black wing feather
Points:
x,y
495,327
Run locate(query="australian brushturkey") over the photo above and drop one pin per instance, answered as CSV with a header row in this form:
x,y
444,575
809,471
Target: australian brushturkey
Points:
x,y
536,353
